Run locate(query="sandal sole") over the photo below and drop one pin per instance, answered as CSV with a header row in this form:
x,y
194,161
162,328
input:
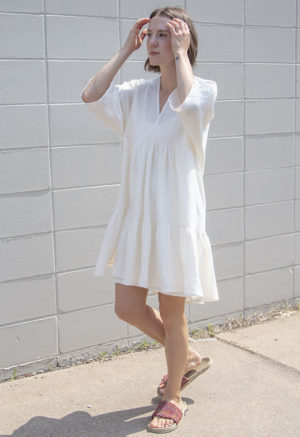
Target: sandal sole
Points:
x,y
201,368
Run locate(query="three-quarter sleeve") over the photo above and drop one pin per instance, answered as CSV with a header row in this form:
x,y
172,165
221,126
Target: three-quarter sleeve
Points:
x,y
197,110
113,108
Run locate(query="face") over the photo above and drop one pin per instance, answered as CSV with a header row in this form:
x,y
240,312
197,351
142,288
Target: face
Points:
x,y
159,41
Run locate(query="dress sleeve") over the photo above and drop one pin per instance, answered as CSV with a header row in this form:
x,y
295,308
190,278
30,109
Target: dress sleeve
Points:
x,y
114,106
197,110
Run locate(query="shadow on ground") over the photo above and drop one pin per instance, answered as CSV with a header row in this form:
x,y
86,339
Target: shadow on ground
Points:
x,y
81,424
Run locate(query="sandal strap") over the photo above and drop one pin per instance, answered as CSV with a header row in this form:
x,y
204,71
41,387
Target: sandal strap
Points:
x,y
168,410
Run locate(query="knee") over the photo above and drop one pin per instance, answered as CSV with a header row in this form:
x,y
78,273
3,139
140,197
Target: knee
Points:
x,y
170,320
126,312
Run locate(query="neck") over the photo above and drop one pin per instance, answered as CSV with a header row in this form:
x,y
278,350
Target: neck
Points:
x,y
168,79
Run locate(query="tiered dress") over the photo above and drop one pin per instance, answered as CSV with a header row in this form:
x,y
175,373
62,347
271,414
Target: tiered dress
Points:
x,y
156,236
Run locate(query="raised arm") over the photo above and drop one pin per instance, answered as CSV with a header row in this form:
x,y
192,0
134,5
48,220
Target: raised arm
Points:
x,y
180,43
99,84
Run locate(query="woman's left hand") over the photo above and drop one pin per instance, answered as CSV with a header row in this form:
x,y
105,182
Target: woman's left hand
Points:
x,y
180,35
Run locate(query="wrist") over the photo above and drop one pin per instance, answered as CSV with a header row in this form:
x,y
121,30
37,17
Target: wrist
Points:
x,y
125,52
180,54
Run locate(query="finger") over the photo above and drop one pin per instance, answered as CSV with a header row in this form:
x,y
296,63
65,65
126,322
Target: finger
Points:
x,y
143,34
141,22
171,27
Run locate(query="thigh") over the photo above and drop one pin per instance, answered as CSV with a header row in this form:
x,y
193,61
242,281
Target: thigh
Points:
x,y
130,296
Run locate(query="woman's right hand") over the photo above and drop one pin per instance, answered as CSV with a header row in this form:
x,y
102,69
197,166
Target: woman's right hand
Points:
x,y
135,38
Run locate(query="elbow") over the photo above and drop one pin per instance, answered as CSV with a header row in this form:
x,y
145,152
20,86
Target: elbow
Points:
x,y
84,98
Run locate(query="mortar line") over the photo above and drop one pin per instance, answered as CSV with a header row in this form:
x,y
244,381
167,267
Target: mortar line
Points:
x,y
51,178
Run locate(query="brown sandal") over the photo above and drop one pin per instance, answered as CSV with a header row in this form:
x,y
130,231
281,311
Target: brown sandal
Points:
x,y
188,376
167,410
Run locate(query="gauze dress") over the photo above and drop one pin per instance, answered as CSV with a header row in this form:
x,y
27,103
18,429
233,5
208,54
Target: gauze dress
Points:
x,y
156,237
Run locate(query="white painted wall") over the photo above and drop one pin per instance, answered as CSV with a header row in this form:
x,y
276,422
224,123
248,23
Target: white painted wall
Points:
x,y
60,168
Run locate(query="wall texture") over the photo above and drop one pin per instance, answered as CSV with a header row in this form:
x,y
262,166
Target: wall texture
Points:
x,y
60,168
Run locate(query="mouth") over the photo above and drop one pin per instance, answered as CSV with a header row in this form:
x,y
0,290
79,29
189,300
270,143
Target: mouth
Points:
x,y
154,53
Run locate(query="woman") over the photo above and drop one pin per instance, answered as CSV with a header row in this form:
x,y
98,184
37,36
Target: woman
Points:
x,y
156,239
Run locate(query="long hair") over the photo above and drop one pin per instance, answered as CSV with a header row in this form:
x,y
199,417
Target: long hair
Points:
x,y
180,13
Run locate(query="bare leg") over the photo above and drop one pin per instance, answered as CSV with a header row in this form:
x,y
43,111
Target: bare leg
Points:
x,y
131,306
176,349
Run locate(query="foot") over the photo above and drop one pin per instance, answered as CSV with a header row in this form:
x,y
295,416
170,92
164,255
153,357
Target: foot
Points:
x,y
193,361
160,422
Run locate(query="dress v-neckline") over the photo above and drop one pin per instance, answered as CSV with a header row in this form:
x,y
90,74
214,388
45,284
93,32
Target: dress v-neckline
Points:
x,y
158,112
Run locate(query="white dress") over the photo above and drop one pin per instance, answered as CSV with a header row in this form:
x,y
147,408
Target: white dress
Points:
x,y
156,236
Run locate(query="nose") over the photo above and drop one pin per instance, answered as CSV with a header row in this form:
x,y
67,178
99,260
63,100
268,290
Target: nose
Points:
x,y
152,40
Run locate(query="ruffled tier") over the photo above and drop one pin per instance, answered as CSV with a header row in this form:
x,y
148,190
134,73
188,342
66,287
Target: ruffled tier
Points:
x,y
170,259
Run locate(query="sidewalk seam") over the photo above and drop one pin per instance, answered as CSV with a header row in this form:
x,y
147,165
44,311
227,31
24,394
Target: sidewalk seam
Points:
x,y
272,360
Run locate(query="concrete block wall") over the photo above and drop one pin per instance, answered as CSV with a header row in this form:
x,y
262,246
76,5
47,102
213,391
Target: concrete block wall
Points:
x,y
60,168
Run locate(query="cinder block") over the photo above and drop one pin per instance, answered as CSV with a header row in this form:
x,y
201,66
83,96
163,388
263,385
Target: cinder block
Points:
x,y
227,47
269,253
90,327
269,116
270,151
297,135
101,8
77,249
231,301
228,120
269,81
67,79
21,36
229,77
75,124
27,299
268,287
224,155
298,111
82,289
82,37
298,81
30,170
296,281
25,82
228,261
228,11
224,190
297,248
225,226
282,13
83,207
23,257
28,341
87,165
138,9
26,213
298,40
269,219
297,215
23,126
21,6
269,44
135,70
265,186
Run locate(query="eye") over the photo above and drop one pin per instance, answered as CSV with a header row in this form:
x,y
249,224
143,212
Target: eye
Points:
x,y
162,34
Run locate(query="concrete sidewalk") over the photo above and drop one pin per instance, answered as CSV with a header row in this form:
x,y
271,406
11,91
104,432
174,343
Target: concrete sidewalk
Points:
x,y
251,390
